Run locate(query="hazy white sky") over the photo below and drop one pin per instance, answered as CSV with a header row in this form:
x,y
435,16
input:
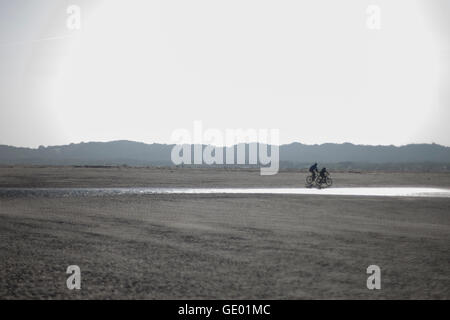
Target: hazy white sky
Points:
x,y
138,70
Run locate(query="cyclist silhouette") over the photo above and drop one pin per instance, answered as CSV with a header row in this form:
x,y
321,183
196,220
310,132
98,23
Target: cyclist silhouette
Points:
x,y
313,169
322,173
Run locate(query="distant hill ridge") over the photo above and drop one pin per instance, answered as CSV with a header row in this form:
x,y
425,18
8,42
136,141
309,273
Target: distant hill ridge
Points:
x,y
136,153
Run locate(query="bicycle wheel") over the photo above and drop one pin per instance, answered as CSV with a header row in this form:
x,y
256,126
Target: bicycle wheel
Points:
x,y
309,180
329,181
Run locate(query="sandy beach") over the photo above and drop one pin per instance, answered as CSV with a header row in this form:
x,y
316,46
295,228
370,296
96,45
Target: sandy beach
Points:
x,y
220,246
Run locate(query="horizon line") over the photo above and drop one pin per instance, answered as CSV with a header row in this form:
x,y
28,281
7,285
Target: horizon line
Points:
x,y
225,146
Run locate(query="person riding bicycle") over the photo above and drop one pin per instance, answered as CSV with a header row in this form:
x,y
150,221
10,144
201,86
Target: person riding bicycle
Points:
x,y
322,174
314,171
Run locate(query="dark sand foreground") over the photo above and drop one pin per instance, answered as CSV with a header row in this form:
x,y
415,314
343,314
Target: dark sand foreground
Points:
x,y
221,246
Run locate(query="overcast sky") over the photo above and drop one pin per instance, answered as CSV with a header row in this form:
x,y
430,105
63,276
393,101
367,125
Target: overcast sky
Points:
x,y
138,70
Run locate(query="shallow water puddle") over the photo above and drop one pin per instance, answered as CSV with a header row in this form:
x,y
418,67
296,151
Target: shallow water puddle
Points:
x,y
363,191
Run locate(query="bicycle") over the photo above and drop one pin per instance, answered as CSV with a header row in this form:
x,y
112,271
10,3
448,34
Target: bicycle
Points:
x,y
319,181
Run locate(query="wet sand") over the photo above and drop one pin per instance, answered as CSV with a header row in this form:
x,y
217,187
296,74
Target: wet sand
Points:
x,y
116,177
220,246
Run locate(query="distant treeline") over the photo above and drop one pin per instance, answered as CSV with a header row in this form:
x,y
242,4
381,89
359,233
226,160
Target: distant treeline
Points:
x,y
393,167
345,166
